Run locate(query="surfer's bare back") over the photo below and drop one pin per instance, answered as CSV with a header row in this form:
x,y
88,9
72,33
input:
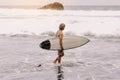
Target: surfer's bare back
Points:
x,y
59,34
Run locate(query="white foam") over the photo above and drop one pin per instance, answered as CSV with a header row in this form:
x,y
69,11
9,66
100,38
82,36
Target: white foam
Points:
x,y
34,21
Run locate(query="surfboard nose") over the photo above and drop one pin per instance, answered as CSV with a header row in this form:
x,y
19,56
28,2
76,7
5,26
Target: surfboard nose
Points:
x,y
45,44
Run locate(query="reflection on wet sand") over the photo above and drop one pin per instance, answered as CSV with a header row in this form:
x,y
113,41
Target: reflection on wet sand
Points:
x,y
60,75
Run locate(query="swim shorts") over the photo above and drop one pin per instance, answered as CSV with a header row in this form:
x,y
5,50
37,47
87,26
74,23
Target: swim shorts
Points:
x,y
60,52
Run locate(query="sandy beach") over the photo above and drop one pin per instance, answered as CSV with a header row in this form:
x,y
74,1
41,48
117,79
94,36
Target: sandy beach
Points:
x,y
20,56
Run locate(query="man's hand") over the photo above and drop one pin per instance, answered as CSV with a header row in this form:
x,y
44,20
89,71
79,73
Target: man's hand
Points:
x,y
62,48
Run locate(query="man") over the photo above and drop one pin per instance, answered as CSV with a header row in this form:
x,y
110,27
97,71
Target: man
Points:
x,y
59,34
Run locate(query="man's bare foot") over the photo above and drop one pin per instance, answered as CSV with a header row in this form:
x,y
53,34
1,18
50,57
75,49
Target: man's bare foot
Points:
x,y
54,62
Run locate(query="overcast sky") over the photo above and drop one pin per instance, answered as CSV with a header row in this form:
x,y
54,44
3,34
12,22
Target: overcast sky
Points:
x,y
65,2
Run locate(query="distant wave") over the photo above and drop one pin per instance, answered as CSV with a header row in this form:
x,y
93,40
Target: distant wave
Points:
x,y
36,12
37,22
70,7
69,33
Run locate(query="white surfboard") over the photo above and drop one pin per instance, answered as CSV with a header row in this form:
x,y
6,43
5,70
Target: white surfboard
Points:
x,y
68,43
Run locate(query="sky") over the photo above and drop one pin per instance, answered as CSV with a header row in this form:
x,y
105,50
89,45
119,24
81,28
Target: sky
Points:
x,y
65,2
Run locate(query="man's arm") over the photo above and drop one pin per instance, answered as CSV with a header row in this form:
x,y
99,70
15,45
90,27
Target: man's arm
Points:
x,y
61,44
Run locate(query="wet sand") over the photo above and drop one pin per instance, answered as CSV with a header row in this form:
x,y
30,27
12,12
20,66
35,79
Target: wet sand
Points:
x,y
97,60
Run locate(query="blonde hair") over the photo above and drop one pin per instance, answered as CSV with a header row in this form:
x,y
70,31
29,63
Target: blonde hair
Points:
x,y
61,26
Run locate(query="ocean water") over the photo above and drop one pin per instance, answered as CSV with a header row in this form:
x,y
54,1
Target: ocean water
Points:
x,y
69,7
90,7
20,56
39,22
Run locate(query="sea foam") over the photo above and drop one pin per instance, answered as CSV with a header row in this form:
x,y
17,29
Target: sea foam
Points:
x,y
37,22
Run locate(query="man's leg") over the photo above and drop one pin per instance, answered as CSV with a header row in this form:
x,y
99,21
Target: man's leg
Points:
x,y
60,56
59,59
56,59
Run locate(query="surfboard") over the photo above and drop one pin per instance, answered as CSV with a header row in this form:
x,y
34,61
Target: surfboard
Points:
x,y
68,43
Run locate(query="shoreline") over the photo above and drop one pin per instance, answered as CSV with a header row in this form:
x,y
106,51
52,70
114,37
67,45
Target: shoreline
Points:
x,y
19,57
45,36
